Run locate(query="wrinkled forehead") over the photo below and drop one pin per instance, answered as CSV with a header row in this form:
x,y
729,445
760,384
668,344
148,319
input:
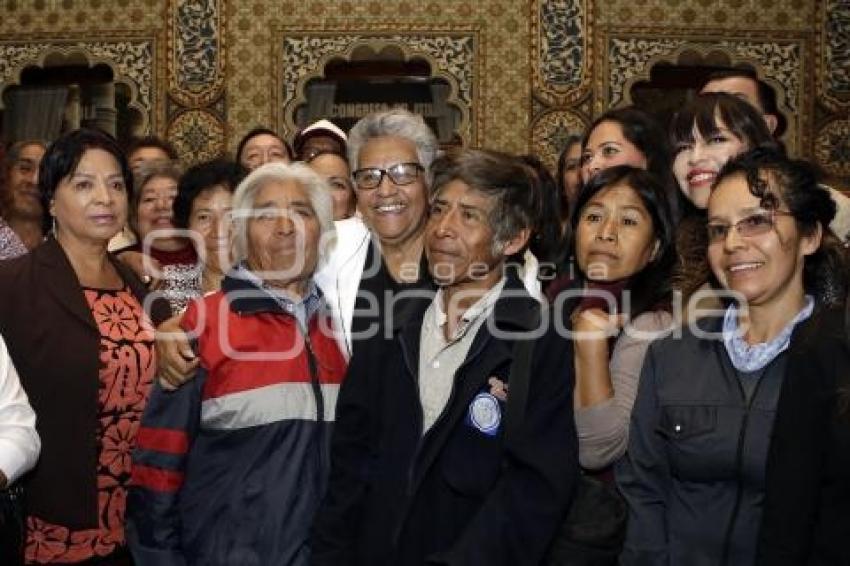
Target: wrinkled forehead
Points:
x,y
383,151
281,193
457,192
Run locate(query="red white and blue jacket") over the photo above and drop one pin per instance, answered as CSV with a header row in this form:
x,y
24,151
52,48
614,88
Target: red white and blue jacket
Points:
x,y
229,468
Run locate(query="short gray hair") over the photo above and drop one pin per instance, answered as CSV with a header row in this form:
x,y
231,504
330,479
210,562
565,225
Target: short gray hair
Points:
x,y
318,192
399,123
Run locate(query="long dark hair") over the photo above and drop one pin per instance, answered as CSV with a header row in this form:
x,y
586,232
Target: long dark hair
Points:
x,y
574,139
643,131
546,240
650,288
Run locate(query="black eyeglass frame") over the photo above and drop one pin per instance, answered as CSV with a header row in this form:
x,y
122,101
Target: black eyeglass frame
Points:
x,y
392,171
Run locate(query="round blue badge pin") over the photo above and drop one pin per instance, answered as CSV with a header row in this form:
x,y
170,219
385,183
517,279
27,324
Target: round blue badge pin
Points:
x,y
485,413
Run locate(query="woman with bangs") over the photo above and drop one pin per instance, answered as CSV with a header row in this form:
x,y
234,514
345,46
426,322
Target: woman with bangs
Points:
x,y
708,132
705,134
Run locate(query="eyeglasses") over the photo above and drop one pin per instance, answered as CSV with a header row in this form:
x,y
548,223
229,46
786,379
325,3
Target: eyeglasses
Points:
x,y
400,174
753,225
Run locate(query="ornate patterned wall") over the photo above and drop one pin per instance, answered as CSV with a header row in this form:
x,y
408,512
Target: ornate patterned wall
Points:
x,y
526,72
453,56
608,46
488,40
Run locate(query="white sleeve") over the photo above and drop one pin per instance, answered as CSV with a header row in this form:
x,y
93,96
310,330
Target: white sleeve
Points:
x,y
529,273
840,225
19,442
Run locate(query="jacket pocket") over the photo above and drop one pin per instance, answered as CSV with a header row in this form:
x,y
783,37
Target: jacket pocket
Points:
x,y
471,462
695,446
681,422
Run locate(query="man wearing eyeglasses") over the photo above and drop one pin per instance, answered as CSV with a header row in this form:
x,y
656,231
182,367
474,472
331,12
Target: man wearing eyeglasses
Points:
x,y
378,262
21,212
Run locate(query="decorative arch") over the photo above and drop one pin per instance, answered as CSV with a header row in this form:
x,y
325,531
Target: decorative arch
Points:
x,y
132,64
780,64
451,57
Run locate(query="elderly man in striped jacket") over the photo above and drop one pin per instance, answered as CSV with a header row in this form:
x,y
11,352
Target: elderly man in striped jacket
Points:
x,y
229,468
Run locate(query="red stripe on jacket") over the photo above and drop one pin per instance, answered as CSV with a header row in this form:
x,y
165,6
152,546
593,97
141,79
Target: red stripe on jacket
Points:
x,y
169,441
258,335
156,479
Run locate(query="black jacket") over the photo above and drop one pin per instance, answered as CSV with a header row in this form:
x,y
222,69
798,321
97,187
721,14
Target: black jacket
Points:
x,y
456,495
807,505
693,475
54,341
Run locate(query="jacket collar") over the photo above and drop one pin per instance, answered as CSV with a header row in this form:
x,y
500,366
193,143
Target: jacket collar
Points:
x,y
515,311
64,285
247,297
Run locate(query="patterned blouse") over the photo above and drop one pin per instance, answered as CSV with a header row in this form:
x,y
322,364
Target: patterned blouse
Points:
x,y
126,374
11,245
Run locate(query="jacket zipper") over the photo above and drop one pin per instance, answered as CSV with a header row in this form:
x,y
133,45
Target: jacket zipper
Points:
x,y
739,461
317,394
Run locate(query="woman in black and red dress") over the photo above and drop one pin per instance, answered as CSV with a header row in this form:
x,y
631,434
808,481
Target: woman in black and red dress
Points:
x,y
83,345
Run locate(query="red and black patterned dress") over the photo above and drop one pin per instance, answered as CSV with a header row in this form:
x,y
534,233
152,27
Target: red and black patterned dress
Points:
x,y
127,369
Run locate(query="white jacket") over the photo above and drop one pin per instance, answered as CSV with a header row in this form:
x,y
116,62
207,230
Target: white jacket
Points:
x,y
19,441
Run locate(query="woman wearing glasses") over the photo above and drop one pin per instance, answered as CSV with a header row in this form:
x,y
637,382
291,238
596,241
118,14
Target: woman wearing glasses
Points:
x,y
380,254
377,255
694,472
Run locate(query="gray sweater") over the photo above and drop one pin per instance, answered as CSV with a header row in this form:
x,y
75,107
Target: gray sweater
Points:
x,y
603,429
